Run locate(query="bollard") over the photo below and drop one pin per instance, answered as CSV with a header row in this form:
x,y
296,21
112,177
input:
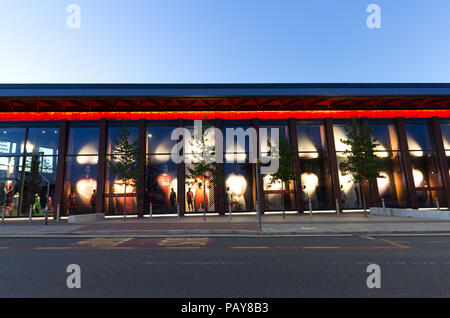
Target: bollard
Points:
x,y
310,209
384,206
151,210
229,210
337,207
437,204
58,208
3,214
29,214
178,210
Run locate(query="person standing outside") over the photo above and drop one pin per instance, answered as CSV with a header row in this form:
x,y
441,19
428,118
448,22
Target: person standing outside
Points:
x,y
93,201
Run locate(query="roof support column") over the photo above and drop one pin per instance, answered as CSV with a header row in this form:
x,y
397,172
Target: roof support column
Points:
x,y
403,141
62,148
297,168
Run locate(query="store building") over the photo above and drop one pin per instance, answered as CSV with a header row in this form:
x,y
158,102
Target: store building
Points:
x,y
55,139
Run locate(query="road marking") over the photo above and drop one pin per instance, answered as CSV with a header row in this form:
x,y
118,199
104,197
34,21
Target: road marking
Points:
x,y
321,247
197,263
384,241
104,242
252,247
173,241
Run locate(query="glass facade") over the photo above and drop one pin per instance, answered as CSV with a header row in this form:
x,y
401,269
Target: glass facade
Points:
x,y
161,171
391,188
274,196
351,193
315,172
115,190
29,164
201,191
28,178
445,130
239,174
80,177
425,166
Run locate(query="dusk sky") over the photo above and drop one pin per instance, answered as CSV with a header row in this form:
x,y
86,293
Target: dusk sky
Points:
x,y
217,41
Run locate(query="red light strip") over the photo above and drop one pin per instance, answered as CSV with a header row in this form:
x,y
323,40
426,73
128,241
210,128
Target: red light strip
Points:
x,y
190,115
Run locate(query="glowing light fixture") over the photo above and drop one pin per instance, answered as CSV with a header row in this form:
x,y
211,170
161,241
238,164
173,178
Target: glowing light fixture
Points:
x,y
383,183
418,178
309,181
237,184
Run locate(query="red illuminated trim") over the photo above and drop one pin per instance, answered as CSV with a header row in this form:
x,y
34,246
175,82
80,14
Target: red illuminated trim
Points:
x,y
190,115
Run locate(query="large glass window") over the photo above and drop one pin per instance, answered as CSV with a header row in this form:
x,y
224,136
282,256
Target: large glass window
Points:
x,y
32,183
273,192
81,169
201,193
238,171
12,142
427,179
315,173
351,193
445,129
161,173
116,192
391,188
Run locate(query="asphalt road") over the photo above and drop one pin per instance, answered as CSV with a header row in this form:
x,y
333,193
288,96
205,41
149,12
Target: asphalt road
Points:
x,y
235,267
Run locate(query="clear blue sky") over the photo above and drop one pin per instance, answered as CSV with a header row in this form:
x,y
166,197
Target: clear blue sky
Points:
x,y
224,41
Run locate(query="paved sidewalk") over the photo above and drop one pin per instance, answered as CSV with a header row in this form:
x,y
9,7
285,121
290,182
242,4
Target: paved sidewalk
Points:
x,y
221,225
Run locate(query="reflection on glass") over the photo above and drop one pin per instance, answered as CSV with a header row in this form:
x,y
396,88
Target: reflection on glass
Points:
x,y
80,183
12,140
273,194
10,185
427,179
159,139
315,178
162,184
83,141
419,138
203,192
350,191
339,135
113,135
239,186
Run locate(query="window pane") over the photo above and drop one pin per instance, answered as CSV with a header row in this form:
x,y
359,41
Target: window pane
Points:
x,y
239,187
159,139
386,135
392,188
43,141
316,180
83,141
418,136
161,180
12,140
10,182
115,193
39,185
80,181
310,138
113,135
